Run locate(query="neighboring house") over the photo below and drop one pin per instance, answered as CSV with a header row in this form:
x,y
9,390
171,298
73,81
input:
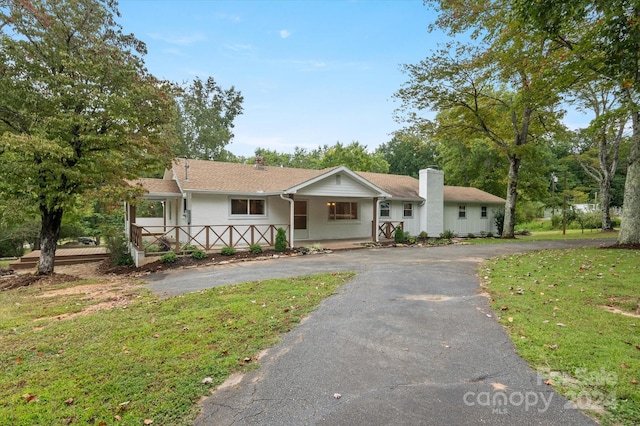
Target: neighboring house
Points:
x,y
212,204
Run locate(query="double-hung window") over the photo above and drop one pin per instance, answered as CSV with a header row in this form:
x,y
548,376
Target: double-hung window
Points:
x,y
248,206
407,210
385,209
462,212
483,212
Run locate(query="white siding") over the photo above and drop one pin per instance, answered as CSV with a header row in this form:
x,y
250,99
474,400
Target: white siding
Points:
x,y
411,224
431,188
473,223
340,185
321,228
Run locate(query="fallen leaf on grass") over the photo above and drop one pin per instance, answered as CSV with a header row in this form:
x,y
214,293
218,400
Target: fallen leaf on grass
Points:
x,y
28,397
561,324
147,421
207,380
634,381
623,365
117,417
510,319
69,401
548,382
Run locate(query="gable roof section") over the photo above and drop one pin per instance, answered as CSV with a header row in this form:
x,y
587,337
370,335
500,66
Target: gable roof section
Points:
x,y
344,171
469,195
158,187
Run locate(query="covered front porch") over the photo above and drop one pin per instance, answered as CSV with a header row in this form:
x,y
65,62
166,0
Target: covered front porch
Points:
x,y
147,239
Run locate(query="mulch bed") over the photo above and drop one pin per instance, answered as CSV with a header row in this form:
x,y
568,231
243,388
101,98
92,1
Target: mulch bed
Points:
x,y
8,281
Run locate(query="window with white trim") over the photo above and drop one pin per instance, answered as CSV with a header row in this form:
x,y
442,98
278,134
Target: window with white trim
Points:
x,y
248,206
385,209
483,212
407,210
341,210
462,212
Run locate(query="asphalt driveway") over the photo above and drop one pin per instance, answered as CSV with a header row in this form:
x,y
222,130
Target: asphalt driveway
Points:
x,y
411,340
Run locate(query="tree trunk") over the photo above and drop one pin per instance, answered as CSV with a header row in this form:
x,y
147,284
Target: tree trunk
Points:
x,y
49,233
630,226
605,201
508,229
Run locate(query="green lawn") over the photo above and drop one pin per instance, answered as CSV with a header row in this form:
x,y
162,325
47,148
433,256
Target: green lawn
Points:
x,y
150,359
571,234
557,304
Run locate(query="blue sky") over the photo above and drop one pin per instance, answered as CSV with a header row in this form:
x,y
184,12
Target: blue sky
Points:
x,y
311,72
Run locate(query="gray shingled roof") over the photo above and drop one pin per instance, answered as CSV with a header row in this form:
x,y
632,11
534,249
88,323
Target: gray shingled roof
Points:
x,y
469,195
215,176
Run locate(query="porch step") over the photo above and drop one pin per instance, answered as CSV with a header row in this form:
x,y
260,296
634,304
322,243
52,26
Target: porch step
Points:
x,y
63,257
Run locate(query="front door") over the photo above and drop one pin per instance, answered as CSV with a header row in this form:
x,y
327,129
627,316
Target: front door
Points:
x,y
300,219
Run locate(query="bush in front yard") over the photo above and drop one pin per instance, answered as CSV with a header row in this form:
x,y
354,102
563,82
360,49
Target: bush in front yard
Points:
x,y
255,248
198,254
170,257
227,251
398,235
281,240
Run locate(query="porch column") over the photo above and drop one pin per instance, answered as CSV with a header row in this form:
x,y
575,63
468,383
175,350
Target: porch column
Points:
x,y
374,231
291,220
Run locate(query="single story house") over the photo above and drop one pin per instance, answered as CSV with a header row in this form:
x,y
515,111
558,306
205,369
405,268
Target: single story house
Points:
x,y
212,204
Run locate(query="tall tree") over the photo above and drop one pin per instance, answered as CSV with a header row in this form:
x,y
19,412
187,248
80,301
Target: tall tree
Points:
x,y
603,37
78,110
498,91
408,152
598,146
205,119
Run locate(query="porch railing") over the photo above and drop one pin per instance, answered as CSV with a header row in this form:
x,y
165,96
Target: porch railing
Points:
x,y
388,229
204,237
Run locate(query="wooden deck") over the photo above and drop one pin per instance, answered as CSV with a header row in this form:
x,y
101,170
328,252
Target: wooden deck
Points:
x,y
64,256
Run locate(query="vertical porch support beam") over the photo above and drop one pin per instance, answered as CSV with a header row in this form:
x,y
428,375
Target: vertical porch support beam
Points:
x,y
374,228
289,198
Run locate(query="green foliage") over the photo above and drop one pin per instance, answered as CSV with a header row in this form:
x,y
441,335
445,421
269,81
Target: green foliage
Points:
x,y
205,119
116,244
398,235
227,251
255,248
423,235
149,208
189,247
471,235
198,254
447,234
281,240
170,257
408,152
78,110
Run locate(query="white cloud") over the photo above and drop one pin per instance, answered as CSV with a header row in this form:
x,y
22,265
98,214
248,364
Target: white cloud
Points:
x,y
284,34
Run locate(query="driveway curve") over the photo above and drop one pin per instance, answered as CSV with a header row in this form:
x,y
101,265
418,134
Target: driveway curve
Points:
x,y
409,341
